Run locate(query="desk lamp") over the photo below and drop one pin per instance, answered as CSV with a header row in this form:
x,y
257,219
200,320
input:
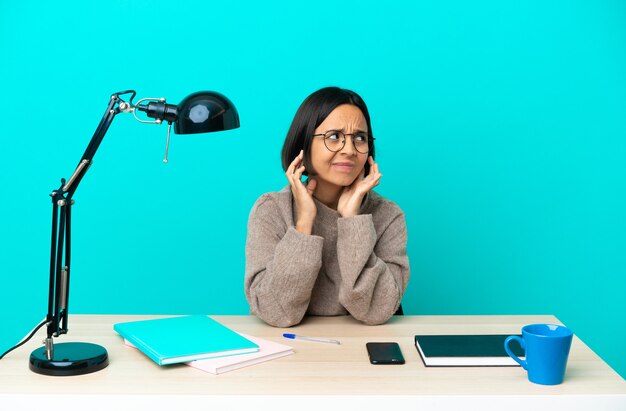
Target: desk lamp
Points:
x,y
200,112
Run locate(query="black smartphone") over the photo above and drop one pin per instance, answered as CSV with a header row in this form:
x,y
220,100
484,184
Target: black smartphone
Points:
x,y
384,353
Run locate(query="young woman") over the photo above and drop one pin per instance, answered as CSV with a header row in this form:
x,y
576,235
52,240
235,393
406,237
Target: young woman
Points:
x,y
331,245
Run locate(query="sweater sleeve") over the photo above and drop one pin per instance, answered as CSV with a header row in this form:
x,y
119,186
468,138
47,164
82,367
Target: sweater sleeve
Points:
x,y
282,265
374,273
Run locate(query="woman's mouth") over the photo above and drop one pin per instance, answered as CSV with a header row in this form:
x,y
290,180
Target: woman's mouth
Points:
x,y
344,167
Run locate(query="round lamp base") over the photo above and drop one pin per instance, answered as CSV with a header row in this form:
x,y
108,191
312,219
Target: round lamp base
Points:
x,y
71,358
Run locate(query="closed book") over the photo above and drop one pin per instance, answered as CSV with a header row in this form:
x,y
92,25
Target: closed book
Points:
x,y
268,350
182,339
466,350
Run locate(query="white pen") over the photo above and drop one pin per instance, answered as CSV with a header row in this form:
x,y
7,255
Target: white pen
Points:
x,y
314,339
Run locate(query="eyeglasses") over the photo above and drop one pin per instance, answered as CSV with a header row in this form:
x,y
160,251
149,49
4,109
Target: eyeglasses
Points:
x,y
335,140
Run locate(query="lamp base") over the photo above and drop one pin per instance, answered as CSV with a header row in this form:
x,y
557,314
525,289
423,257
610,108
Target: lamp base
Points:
x,y
71,358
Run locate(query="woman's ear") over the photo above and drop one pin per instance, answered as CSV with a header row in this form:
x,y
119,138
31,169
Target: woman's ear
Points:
x,y
367,168
308,166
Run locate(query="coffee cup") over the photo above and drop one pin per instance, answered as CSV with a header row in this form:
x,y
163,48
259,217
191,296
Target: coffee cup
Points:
x,y
547,348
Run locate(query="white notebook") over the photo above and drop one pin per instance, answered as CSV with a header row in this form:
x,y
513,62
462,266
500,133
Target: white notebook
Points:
x,y
268,350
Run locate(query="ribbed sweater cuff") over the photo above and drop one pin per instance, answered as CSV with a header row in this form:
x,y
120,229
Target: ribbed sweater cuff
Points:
x,y
303,249
359,227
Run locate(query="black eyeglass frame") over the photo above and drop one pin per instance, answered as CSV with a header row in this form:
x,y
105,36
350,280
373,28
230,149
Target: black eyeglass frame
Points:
x,y
370,140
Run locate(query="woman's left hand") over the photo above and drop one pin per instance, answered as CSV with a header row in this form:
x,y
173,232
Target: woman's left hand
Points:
x,y
350,200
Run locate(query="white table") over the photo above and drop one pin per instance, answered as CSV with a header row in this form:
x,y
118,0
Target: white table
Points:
x,y
319,375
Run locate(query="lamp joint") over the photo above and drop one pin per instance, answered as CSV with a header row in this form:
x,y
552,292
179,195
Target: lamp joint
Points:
x,y
125,107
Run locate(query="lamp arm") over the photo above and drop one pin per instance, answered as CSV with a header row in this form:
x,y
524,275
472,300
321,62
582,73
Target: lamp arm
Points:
x,y
60,250
116,105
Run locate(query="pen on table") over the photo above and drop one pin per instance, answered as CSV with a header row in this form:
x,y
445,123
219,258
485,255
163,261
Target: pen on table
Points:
x,y
314,339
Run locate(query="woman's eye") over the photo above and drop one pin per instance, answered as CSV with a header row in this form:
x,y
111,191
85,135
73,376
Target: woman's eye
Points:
x,y
360,139
333,137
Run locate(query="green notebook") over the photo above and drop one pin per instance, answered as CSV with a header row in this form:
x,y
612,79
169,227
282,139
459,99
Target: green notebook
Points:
x,y
466,350
181,339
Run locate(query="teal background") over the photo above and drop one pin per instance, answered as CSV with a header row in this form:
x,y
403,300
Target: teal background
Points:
x,y
500,131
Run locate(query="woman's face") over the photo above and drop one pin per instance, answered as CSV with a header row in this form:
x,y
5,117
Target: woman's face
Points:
x,y
339,168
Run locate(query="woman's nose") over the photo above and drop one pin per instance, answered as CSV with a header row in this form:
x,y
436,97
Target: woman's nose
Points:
x,y
348,146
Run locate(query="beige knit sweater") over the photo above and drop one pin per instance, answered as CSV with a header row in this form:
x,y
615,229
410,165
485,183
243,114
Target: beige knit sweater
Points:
x,y
355,266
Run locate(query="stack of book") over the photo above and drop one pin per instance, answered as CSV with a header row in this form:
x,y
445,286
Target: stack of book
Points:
x,y
198,341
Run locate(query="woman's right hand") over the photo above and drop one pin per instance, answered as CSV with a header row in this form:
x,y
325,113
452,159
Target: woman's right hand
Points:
x,y
306,209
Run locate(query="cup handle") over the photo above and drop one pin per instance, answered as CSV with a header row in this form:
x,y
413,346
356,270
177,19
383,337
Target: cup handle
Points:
x,y
508,350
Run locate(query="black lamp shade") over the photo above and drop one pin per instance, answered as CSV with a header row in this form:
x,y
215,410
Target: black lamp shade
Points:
x,y
204,112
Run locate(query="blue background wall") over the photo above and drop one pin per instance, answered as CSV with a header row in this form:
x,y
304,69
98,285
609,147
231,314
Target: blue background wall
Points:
x,y
500,131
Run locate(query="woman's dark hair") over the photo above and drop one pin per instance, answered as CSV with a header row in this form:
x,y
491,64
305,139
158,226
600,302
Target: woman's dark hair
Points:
x,y
312,112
